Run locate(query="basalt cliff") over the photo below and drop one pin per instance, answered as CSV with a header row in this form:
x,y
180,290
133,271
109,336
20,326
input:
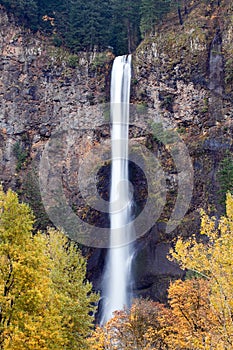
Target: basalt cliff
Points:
x,y
182,81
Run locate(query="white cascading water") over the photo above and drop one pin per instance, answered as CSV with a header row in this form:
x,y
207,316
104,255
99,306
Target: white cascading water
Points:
x,y
117,279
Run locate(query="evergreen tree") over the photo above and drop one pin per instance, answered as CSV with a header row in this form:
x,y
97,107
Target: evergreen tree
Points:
x,y
152,11
26,11
83,25
125,34
47,8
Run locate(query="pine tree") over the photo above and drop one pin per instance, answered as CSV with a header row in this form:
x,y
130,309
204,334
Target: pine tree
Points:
x,y
26,11
81,25
125,33
152,11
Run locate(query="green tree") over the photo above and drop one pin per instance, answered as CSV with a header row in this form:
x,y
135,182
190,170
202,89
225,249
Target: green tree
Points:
x,y
225,176
152,11
26,11
81,25
125,33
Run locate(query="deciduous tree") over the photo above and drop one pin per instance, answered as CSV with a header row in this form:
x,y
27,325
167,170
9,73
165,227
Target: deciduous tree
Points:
x,y
46,302
144,326
194,317
28,317
213,261
72,290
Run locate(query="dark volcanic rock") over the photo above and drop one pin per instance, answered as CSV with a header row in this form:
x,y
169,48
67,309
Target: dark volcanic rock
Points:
x,y
183,74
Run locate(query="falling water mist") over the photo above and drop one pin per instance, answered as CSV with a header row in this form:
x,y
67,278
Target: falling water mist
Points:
x,y
117,276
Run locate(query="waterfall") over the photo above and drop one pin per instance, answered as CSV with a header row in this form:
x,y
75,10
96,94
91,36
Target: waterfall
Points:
x,y
117,279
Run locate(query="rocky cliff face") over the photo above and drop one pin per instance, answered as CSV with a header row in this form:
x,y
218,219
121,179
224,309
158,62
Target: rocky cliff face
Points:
x,y
182,80
182,73
41,86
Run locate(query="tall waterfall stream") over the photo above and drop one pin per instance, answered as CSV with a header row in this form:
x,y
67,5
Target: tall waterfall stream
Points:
x,y
117,276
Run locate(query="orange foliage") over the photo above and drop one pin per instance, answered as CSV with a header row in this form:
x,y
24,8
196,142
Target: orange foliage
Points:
x,y
144,326
194,317
199,315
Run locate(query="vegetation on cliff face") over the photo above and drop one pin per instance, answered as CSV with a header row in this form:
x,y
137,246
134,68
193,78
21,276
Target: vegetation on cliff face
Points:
x,y
182,51
225,176
85,25
45,301
199,312
180,73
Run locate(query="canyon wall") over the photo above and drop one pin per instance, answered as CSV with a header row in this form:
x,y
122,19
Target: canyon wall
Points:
x,y
182,81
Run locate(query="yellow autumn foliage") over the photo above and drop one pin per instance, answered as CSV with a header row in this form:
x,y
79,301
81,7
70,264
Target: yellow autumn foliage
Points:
x,y
45,300
199,311
213,261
